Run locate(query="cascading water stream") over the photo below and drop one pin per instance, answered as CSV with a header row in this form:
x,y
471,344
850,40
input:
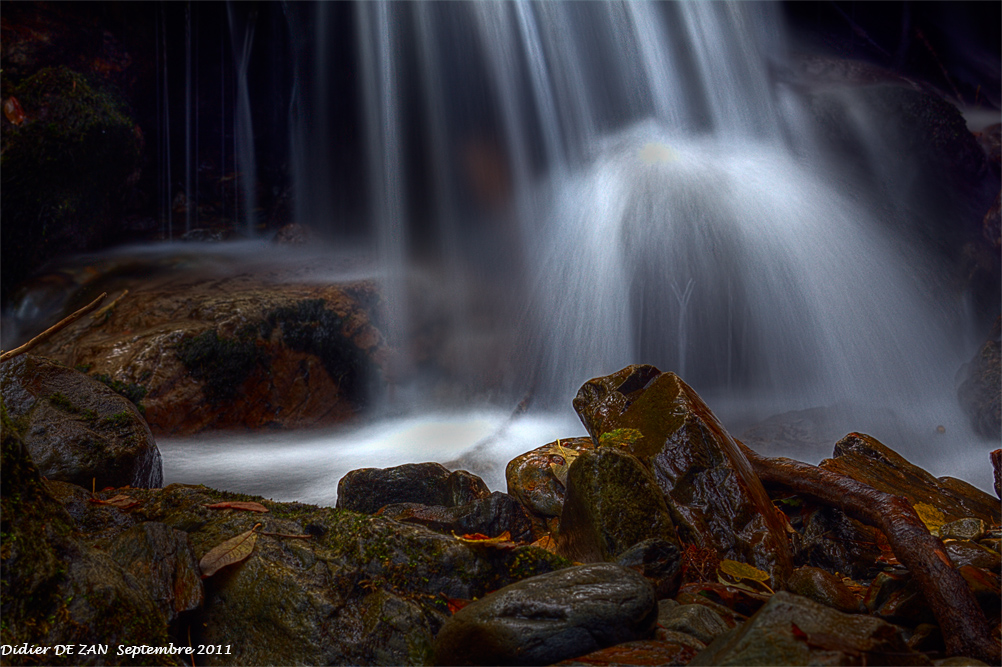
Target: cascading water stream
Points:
x,y
592,185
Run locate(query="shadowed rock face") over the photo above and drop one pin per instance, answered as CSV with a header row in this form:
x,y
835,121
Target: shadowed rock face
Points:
x,y
696,463
77,429
550,617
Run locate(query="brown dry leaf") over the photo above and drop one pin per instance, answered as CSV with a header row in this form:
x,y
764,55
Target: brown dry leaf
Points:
x,y
120,501
239,505
229,552
502,541
931,516
546,542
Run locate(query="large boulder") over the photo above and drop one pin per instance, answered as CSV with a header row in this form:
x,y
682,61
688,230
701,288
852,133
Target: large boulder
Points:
x,y
550,617
792,630
869,461
492,516
698,466
208,345
366,490
76,429
54,588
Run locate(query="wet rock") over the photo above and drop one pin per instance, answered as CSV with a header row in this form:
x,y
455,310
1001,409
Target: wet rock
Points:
x,y
660,563
978,390
897,598
996,457
76,429
972,553
294,234
927,637
986,586
612,503
731,602
550,617
368,489
531,480
54,588
350,589
963,529
696,620
704,476
832,541
866,460
217,348
496,514
645,652
162,561
792,630
824,587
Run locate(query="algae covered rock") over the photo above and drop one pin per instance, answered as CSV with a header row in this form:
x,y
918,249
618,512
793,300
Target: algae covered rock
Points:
x,y
550,617
54,588
698,466
76,429
612,504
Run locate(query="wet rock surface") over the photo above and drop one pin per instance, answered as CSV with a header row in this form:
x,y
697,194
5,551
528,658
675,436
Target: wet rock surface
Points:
x,y
206,348
368,489
978,390
697,465
612,503
867,460
530,478
492,516
792,630
76,429
550,618
824,587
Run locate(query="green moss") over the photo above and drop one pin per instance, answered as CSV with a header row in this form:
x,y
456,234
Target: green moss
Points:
x,y
133,392
308,326
62,401
221,364
121,419
63,170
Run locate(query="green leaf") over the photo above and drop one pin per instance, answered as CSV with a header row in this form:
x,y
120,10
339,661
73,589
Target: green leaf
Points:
x,y
743,570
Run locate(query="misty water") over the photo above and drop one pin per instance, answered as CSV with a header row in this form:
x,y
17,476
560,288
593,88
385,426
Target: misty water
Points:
x,y
581,186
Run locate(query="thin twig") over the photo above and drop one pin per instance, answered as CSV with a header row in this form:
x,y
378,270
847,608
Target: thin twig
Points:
x,y
98,314
65,322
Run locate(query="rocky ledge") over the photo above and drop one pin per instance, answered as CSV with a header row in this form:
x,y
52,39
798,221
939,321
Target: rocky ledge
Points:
x,y
654,541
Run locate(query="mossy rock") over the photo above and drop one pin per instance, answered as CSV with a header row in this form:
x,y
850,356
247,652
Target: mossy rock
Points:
x,y
63,170
54,588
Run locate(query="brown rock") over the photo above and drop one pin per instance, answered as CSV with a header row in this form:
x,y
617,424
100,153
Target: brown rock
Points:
x,y
698,466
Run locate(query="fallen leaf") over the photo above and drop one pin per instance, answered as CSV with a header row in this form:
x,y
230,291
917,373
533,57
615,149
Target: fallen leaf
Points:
x,y
239,505
931,516
546,542
742,570
229,552
502,541
455,604
12,109
120,501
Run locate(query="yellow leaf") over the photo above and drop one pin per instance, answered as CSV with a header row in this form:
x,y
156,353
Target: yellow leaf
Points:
x,y
229,552
743,570
502,541
931,516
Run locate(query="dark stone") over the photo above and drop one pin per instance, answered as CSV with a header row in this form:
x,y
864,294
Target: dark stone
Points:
x,y
832,541
76,429
963,529
491,516
696,620
531,480
612,503
866,460
792,630
996,457
162,561
897,598
972,553
368,489
978,390
738,602
660,563
550,617
698,466
54,588
986,586
824,587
